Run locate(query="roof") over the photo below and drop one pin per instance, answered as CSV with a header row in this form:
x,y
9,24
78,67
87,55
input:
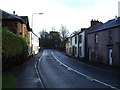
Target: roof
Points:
x,y
90,29
22,19
109,24
6,16
25,18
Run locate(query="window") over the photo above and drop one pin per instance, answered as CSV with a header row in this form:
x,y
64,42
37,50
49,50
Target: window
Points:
x,y
75,39
110,36
80,38
96,38
71,40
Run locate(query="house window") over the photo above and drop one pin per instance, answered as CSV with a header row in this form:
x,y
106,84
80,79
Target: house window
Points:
x,y
110,36
80,38
71,41
96,38
75,39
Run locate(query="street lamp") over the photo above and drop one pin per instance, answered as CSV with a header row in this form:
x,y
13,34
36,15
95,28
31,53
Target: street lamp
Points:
x,y
32,18
31,46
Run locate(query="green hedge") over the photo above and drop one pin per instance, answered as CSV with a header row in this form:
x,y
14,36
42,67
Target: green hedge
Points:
x,y
14,49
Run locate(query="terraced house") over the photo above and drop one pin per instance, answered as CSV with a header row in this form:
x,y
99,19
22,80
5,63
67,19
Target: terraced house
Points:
x,y
76,43
103,43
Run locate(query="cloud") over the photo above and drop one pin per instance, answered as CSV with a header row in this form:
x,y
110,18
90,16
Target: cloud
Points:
x,y
74,14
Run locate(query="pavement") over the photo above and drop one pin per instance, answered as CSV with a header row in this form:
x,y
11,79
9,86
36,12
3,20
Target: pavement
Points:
x,y
108,68
26,74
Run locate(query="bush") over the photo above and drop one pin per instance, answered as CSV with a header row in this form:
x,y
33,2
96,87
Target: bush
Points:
x,y
14,49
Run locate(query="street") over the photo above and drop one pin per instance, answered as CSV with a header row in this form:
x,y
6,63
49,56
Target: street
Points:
x,y
56,70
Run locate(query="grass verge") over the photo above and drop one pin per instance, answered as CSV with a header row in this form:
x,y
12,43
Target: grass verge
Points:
x,y
9,80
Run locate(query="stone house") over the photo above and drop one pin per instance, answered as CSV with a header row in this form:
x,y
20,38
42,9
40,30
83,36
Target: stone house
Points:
x,y
16,24
103,43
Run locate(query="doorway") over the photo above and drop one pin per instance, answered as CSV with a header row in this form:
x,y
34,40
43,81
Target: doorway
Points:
x,y
110,57
89,54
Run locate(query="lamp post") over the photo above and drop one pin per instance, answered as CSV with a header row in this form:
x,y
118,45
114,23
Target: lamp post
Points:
x,y
32,18
31,45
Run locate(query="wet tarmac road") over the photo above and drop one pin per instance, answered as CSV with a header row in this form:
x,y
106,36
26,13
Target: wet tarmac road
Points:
x,y
53,69
59,71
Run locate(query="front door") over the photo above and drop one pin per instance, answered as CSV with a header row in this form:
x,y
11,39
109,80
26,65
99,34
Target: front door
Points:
x,y
110,57
73,50
89,52
96,54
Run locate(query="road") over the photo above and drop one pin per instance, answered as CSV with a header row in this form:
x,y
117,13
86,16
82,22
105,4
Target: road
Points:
x,y
56,70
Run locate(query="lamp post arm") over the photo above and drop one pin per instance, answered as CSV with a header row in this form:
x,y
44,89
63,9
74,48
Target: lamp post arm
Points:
x,y
32,19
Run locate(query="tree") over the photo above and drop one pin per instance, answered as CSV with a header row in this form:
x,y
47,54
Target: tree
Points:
x,y
44,38
55,39
64,34
50,40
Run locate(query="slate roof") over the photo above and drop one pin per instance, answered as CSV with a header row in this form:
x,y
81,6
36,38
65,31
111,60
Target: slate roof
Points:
x,y
109,24
22,19
8,16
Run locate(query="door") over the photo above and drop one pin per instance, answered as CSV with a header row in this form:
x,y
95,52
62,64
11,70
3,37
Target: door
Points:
x,y
73,50
96,53
110,57
89,52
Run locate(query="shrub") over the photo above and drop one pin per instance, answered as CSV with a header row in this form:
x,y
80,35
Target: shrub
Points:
x,y
14,49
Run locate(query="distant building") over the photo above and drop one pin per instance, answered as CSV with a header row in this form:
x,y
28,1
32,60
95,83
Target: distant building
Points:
x,y
76,44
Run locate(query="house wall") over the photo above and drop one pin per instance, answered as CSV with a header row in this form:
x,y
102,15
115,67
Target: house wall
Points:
x,y
68,47
35,44
17,28
11,24
103,46
73,49
74,46
82,45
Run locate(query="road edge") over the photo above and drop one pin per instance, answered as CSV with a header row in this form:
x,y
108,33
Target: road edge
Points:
x,y
38,73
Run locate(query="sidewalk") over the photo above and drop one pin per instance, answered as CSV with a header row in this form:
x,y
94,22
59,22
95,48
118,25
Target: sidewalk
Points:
x,y
107,68
26,74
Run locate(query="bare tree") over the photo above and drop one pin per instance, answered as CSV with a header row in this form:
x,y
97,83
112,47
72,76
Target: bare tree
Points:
x,y
64,34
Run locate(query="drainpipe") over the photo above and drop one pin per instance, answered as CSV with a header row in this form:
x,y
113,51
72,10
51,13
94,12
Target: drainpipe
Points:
x,y
78,45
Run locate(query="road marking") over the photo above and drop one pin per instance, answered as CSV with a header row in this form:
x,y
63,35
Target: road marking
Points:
x,y
38,73
87,77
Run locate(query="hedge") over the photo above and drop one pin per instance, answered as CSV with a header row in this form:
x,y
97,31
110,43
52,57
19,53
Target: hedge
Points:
x,y
14,49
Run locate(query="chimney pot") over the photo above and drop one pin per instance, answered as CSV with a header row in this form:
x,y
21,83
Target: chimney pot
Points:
x,y
13,12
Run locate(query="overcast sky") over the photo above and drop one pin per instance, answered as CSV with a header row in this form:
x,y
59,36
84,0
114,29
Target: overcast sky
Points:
x,y
74,14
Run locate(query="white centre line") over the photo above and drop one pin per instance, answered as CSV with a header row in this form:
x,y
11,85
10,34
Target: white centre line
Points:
x,y
87,77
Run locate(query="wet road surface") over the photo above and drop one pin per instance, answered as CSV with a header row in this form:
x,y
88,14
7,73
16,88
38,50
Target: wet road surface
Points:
x,y
59,71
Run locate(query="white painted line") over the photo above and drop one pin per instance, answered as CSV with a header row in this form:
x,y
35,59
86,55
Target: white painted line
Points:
x,y
87,77
37,71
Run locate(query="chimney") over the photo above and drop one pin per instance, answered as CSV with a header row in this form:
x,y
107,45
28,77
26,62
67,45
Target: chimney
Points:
x,y
94,22
116,18
13,12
